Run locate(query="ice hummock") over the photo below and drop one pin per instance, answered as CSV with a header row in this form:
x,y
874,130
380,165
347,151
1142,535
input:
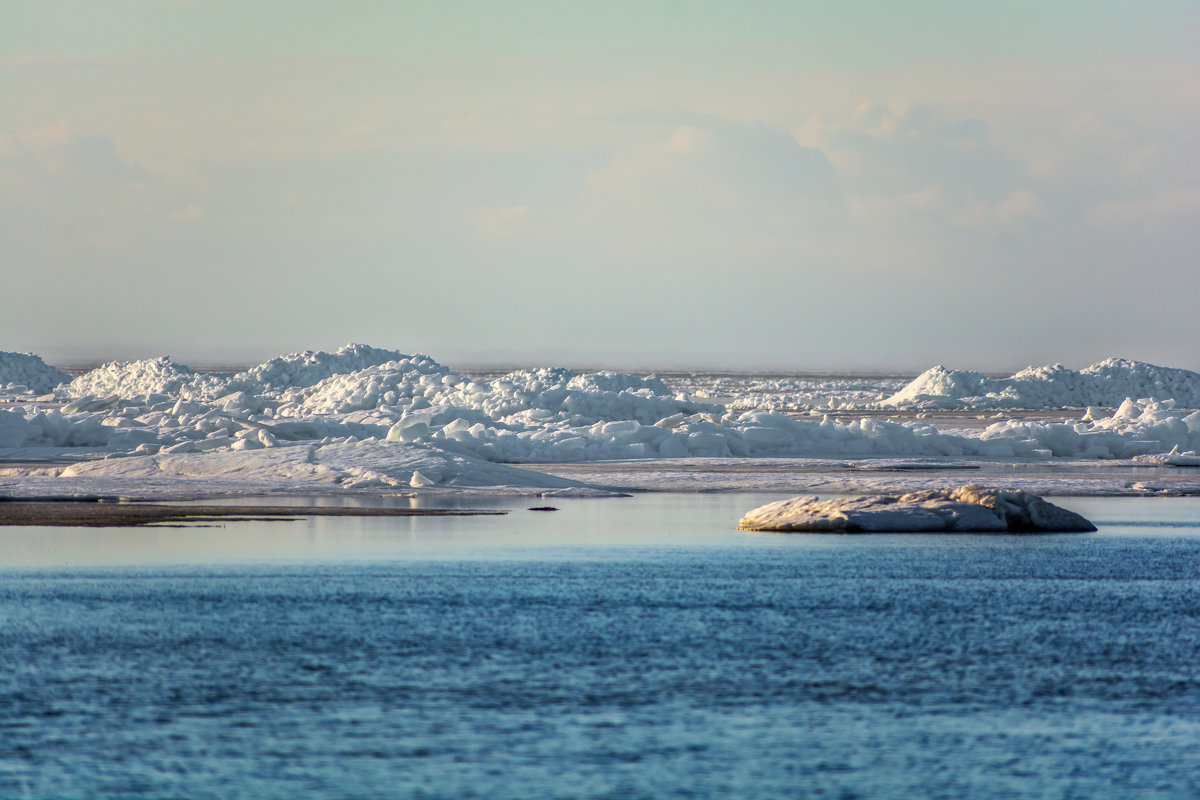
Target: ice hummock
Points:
x,y
1104,384
25,371
298,370
146,376
970,508
163,376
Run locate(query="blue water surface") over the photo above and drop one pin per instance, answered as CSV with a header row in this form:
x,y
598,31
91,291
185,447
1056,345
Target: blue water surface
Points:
x,y
724,665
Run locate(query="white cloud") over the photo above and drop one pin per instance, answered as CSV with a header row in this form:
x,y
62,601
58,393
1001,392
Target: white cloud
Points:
x,y
689,139
713,186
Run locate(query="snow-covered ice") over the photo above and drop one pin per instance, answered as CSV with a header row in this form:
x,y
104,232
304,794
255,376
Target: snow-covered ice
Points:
x,y
1105,384
970,508
26,373
361,464
748,392
369,419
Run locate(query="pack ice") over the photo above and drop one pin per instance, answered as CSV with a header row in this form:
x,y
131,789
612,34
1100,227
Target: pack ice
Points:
x,y
364,417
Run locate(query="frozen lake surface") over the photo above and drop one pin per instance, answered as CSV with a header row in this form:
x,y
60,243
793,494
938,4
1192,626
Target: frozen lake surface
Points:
x,y
628,647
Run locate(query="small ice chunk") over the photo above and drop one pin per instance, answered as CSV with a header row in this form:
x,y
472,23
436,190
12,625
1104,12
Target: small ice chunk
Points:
x,y
409,429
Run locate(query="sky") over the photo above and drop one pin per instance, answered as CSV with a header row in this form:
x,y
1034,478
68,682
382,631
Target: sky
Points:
x,y
810,186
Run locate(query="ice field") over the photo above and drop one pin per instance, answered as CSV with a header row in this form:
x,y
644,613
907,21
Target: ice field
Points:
x,y
372,420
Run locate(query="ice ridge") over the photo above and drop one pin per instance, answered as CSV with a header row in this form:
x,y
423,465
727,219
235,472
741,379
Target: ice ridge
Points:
x,y
1104,384
361,413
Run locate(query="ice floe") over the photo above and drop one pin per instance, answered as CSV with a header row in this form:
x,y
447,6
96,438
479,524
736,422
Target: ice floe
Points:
x,y
970,508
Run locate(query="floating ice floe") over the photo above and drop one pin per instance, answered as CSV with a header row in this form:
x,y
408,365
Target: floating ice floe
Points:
x,y
970,508
1107,383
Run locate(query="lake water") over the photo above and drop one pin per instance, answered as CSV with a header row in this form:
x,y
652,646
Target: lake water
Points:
x,y
616,648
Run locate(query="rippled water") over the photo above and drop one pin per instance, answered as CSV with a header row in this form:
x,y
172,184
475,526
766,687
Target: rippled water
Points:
x,y
537,657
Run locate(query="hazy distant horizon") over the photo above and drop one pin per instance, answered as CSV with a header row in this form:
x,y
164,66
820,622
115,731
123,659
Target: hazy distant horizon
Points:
x,y
811,186
231,359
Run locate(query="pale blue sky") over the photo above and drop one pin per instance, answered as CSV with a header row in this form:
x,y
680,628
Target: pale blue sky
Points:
x,y
825,185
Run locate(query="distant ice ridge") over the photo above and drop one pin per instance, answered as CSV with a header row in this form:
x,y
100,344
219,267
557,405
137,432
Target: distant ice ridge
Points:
x,y
360,416
311,367
26,371
147,376
779,393
163,376
1105,384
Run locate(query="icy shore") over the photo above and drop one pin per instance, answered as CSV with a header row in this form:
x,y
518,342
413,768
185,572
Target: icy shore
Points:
x,y
364,418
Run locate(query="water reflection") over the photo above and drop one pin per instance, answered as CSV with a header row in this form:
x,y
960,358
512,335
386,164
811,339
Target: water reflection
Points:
x,y
581,528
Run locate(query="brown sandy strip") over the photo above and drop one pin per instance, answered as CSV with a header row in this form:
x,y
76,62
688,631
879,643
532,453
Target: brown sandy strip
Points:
x,y
105,515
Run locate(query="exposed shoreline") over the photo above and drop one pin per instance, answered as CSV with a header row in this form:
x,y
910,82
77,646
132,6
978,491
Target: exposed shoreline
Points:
x,y
100,514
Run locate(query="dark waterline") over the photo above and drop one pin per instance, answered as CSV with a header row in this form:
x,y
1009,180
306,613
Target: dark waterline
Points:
x,y
723,665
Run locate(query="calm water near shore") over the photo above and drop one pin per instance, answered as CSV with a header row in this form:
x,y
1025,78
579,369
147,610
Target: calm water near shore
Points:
x,y
632,647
